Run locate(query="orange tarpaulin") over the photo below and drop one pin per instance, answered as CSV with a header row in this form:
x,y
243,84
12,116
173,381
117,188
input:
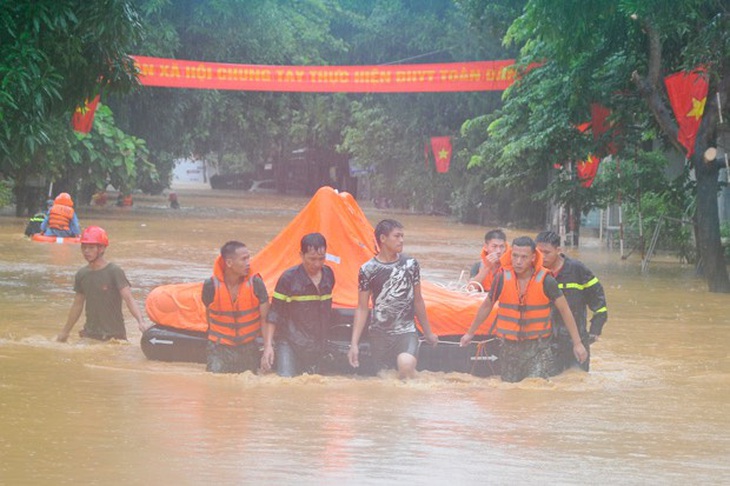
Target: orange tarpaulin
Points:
x,y
350,243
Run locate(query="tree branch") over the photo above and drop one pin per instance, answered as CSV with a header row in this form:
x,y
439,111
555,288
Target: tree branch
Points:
x,y
649,87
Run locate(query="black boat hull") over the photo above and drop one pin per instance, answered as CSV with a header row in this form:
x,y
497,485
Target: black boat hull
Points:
x,y
162,343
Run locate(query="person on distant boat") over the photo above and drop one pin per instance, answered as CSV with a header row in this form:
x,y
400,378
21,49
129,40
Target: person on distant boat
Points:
x,y
236,304
393,280
582,290
62,220
34,223
301,312
100,286
526,293
483,272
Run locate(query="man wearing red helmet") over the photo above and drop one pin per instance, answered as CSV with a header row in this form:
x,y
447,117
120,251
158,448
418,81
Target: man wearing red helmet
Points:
x,y
61,219
100,286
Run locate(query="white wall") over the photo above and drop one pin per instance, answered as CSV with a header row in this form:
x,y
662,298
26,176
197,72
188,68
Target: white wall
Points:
x,y
189,170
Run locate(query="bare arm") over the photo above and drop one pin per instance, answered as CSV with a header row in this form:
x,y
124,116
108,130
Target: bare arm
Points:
x,y
579,350
73,315
482,314
126,294
419,306
361,318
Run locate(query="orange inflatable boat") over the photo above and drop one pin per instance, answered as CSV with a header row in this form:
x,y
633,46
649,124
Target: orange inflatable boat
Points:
x,y
40,237
179,313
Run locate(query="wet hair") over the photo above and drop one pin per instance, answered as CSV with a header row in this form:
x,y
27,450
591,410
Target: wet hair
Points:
x,y
524,241
313,241
385,227
549,237
229,249
495,234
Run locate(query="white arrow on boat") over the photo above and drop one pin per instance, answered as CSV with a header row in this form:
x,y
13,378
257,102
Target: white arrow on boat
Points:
x,y
160,341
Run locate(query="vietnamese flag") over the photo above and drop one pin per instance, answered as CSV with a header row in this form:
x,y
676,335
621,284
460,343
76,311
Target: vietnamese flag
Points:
x,y
586,170
599,114
688,94
441,147
83,117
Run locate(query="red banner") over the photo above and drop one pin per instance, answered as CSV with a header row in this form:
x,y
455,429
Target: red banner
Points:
x,y
83,118
402,78
687,94
441,147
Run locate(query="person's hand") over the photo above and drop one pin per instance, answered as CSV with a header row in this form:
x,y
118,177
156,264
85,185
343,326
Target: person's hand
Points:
x,y
62,337
353,355
466,339
431,338
492,258
267,358
580,352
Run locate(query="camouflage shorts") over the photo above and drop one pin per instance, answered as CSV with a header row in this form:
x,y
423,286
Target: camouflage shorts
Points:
x,y
233,359
526,359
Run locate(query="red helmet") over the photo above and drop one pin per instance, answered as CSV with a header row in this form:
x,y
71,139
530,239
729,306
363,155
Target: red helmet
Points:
x,y
64,199
94,235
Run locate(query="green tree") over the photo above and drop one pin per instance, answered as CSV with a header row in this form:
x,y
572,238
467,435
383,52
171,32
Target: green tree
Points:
x,y
615,53
54,54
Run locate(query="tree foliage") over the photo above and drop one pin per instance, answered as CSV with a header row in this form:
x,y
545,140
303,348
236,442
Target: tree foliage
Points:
x,y
615,53
54,54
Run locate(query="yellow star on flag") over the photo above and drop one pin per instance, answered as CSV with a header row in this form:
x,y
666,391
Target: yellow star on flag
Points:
x,y
443,154
698,107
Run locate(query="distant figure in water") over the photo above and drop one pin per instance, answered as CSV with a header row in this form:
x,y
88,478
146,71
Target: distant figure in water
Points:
x,y
61,220
100,286
174,203
124,201
34,223
526,293
237,303
99,198
393,280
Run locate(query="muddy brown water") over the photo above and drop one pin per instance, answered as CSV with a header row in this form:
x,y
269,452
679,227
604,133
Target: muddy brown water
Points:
x,y
653,410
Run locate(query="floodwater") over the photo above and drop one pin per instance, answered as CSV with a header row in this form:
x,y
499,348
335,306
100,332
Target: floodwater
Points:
x,y
653,410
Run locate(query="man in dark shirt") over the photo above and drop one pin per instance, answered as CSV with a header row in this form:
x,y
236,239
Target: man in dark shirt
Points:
x,y
582,290
301,312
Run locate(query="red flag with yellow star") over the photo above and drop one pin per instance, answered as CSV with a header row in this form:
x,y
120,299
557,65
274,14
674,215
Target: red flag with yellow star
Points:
x,y
586,170
688,94
441,147
83,117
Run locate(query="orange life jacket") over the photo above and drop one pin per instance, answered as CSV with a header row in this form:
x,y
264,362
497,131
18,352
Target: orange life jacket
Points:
x,y
520,318
234,323
59,217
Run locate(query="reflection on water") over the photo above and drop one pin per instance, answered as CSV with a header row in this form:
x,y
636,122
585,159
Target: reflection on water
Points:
x,y
653,409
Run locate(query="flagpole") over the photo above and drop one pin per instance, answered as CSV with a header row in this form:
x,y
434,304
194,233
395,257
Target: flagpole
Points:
x,y
620,211
727,163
